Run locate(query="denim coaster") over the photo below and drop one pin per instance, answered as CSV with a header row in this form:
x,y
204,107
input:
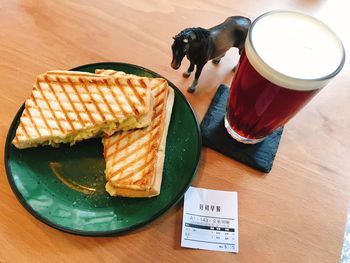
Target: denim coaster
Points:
x,y
259,156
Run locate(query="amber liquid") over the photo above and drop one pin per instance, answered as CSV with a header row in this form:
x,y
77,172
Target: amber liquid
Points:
x,y
256,107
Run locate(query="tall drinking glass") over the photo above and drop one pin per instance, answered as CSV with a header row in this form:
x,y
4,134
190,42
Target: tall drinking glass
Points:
x,y
287,59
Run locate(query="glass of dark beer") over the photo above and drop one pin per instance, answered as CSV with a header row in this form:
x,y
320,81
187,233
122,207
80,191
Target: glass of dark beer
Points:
x,y
287,59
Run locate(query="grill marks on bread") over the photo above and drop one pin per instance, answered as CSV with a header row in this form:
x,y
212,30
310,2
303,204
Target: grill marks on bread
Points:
x,y
131,156
63,102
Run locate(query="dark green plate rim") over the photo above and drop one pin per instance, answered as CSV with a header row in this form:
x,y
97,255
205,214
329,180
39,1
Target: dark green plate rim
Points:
x,y
173,202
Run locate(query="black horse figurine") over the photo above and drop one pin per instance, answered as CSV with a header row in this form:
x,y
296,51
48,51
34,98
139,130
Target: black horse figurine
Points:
x,y
201,45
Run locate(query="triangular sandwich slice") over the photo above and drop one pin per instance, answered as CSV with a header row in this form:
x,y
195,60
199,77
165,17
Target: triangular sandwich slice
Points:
x,y
69,106
135,158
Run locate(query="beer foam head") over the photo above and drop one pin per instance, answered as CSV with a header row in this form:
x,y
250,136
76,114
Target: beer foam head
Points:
x,y
294,50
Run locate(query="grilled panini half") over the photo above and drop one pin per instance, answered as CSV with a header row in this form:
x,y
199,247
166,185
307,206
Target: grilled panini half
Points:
x,y
69,106
135,159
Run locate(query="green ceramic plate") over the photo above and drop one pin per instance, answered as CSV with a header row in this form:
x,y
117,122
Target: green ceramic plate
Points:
x,y
64,187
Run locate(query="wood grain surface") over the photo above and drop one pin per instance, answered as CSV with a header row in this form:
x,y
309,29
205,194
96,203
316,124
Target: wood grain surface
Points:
x,y
296,213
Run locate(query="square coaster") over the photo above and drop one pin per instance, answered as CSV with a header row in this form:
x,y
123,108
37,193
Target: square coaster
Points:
x,y
259,156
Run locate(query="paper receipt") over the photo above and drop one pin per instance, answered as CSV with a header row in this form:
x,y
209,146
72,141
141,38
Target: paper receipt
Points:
x,y
210,220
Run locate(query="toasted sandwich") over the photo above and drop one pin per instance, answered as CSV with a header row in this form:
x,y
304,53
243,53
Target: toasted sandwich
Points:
x,y
69,106
135,158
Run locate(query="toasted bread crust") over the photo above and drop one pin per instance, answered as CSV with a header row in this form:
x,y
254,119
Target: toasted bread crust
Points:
x,y
134,159
68,106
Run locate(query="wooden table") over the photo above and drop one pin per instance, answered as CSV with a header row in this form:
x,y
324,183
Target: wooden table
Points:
x,y
296,213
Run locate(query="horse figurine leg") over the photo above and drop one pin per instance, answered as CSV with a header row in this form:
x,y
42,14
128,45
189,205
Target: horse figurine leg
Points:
x,y
235,67
217,59
239,52
187,73
193,86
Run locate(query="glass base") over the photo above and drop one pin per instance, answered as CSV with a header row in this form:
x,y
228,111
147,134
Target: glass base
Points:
x,y
238,137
